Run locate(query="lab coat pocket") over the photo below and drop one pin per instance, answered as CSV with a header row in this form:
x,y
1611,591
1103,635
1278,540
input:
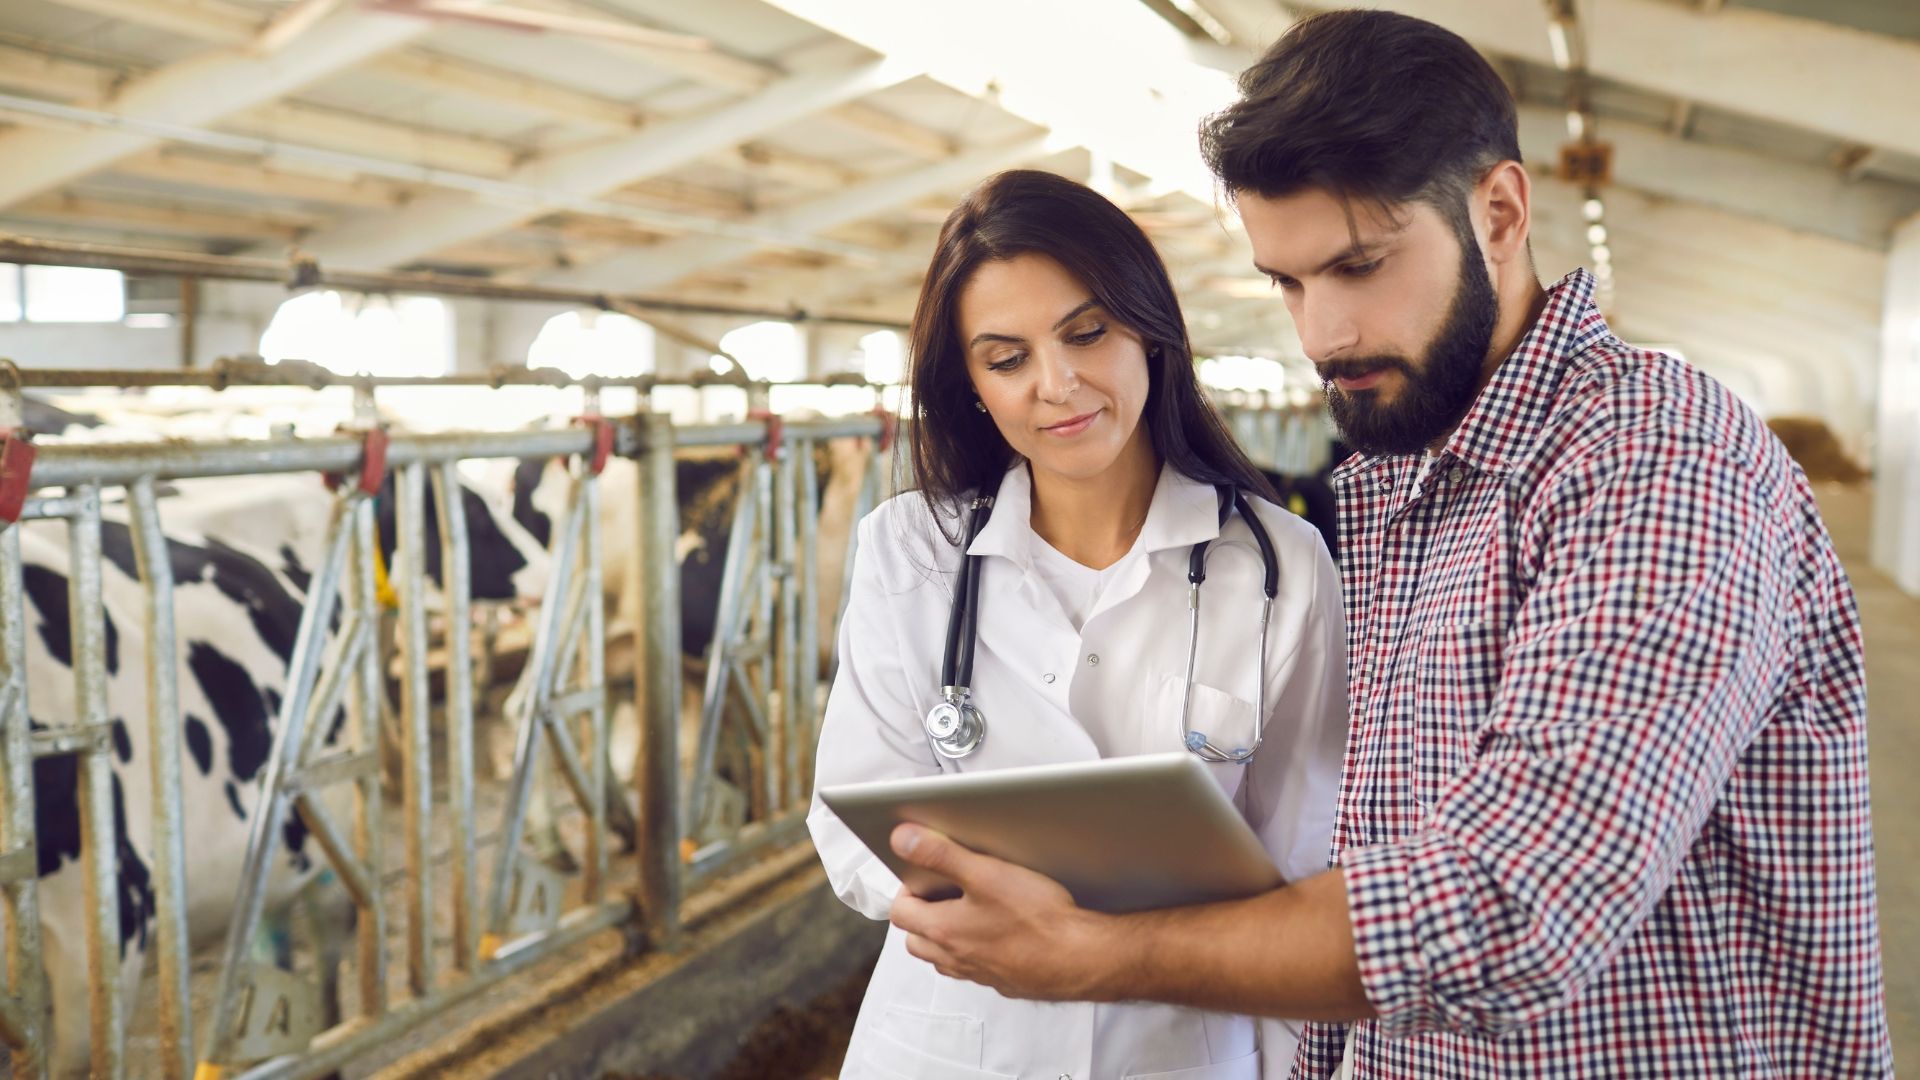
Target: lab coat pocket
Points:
x,y
1240,1068
928,1045
1226,720
890,1056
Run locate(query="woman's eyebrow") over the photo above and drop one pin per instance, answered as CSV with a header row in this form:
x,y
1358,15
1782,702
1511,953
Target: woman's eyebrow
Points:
x,y
1012,339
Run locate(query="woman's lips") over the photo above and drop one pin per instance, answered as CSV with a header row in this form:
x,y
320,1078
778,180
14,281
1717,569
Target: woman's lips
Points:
x,y
1072,427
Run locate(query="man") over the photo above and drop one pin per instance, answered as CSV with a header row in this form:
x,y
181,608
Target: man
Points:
x,y
1604,810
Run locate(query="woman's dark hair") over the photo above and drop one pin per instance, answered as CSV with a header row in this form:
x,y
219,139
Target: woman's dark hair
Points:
x,y
956,448
1369,105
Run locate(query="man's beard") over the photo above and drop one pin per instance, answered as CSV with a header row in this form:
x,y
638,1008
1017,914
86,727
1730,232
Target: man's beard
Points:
x,y
1435,395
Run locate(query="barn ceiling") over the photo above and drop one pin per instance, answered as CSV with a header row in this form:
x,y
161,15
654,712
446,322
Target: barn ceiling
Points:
x,y
803,152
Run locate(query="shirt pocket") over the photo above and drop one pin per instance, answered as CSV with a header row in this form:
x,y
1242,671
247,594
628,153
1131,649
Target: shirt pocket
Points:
x,y
1454,683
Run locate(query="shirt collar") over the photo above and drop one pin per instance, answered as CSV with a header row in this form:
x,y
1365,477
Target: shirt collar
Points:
x,y
1184,512
1500,428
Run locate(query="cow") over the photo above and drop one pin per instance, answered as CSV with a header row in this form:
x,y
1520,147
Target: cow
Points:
x,y
709,484
235,620
242,550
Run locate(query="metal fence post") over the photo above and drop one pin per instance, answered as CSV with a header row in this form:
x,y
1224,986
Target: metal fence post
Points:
x,y
369,691
658,691
163,747
86,616
456,589
19,889
417,744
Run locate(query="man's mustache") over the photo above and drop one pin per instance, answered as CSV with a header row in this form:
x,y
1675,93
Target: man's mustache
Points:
x,y
1355,367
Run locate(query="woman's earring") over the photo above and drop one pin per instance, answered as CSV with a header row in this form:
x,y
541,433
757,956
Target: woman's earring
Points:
x,y
979,405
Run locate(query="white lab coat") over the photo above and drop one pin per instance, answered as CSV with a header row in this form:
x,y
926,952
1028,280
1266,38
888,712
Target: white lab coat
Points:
x,y
1051,694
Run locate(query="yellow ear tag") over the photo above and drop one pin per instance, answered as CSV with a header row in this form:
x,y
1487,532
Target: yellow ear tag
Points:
x,y
383,592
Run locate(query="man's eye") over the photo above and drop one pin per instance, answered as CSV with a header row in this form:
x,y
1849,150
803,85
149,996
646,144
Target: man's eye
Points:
x,y
1282,281
1360,269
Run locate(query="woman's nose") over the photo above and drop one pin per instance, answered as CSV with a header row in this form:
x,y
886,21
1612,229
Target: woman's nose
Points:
x,y
1057,378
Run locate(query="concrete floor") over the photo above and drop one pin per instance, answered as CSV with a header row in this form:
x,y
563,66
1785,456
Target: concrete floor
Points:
x,y
1891,620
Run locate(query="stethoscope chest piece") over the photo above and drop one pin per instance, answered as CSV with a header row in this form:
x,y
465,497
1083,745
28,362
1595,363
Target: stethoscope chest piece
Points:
x,y
955,727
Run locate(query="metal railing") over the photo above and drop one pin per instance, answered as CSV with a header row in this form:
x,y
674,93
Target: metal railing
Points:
x,y
764,674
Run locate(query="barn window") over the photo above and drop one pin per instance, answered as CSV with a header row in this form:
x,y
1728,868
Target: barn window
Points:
x,y
354,334
74,294
768,350
883,356
1242,373
588,342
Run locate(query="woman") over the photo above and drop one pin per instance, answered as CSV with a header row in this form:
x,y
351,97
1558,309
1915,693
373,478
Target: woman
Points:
x,y
1051,371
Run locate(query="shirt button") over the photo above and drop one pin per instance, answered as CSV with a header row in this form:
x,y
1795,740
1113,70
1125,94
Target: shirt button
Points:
x,y
1047,678
1093,659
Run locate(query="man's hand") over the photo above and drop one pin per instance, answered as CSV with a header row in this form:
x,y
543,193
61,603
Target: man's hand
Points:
x,y
1012,929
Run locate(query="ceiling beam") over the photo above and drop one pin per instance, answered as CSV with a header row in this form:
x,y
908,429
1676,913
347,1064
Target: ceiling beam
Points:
x,y
173,166
1844,83
1254,24
444,74
1807,197
296,122
198,90
95,212
653,267
24,67
397,237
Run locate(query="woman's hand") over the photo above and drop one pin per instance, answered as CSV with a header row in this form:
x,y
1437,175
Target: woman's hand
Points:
x,y
1014,930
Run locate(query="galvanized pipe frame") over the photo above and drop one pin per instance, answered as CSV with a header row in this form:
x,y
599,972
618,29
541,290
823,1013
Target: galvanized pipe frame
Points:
x,y
230,372
106,1009
86,468
26,986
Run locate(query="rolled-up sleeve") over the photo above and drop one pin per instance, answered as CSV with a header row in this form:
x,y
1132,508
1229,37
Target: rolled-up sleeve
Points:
x,y
1634,674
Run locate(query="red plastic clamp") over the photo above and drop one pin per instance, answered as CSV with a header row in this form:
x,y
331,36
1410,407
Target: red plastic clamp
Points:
x,y
889,428
373,462
602,441
776,430
16,471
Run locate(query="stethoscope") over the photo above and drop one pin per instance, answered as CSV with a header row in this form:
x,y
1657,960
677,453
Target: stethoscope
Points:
x,y
956,727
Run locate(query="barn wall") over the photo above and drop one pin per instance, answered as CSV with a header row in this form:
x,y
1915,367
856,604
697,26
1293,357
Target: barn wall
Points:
x,y
1896,512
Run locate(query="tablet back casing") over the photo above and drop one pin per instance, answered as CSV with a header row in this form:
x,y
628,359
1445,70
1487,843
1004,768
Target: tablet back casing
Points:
x,y
1122,834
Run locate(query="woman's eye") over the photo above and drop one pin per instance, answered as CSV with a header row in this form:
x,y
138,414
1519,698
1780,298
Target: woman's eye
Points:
x,y
1006,363
1088,337
1281,281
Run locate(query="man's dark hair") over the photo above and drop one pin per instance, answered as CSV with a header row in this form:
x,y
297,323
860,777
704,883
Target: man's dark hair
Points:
x,y
1372,106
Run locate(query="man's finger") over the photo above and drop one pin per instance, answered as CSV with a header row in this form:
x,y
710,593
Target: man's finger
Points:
x,y
926,848
912,914
923,949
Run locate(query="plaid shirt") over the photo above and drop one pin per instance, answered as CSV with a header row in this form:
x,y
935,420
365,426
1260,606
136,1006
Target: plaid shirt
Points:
x,y
1604,810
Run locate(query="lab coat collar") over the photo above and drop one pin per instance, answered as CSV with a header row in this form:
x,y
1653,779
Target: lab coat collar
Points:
x,y
1184,512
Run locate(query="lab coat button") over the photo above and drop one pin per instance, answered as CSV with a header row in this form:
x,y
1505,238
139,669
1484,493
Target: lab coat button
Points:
x,y
1047,678
1093,659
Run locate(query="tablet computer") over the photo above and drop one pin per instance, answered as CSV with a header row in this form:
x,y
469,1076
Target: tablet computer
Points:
x,y
1122,834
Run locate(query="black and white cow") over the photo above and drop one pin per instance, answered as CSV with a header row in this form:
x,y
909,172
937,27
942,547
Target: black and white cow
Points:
x,y
241,551
709,486
235,620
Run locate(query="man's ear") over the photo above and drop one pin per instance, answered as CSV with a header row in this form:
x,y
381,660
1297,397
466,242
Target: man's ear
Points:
x,y
1506,193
